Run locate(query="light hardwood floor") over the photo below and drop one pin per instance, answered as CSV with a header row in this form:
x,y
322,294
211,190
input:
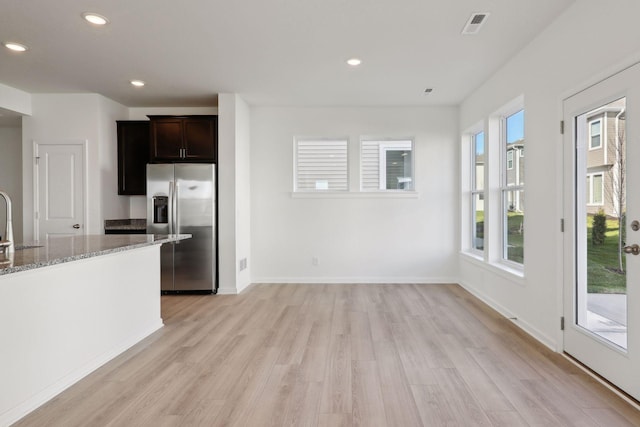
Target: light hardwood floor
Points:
x,y
336,355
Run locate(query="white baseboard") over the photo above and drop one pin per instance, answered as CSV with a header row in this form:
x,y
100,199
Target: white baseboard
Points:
x,y
522,324
355,280
17,412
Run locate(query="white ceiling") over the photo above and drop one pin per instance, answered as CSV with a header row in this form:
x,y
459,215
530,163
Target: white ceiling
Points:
x,y
272,52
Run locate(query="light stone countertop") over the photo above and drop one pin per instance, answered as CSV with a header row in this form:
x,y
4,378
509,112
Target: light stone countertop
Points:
x,y
59,250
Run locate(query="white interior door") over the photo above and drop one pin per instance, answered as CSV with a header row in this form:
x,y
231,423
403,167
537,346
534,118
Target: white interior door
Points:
x,y
602,203
60,188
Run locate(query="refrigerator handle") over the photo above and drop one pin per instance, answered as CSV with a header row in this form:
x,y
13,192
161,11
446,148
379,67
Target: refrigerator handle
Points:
x,y
171,207
176,197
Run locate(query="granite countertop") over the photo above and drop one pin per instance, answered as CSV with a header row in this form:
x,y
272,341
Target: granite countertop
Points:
x,y
125,224
62,249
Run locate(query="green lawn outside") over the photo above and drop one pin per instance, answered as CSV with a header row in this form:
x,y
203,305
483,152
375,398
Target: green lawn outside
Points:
x,y
515,238
602,262
480,229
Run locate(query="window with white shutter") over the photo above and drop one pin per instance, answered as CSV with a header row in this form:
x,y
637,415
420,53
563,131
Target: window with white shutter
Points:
x,y
321,165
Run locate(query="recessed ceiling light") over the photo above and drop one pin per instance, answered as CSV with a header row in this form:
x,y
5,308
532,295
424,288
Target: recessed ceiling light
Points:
x,y
428,90
354,62
137,83
17,47
95,19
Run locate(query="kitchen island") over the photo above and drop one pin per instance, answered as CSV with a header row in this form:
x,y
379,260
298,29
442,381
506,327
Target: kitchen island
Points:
x,y
70,305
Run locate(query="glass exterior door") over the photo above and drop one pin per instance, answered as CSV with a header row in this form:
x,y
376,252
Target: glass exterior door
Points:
x,y
601,277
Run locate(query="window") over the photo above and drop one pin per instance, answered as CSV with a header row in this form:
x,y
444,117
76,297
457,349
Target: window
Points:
x,y
321,165
387,165
595,134
595,189
513,188
509,159
477,191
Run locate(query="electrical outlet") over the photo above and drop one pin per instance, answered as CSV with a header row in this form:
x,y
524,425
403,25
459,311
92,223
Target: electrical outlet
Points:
x,y
315,261
243,264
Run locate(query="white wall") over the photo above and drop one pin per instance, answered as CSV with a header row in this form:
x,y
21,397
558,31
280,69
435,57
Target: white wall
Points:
x,y
113,206
11,176
138,204
356,239
141,113
59,118
583,45
243,192
14,100
233,193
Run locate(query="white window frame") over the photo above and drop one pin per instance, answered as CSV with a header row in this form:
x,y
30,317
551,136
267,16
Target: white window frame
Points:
x,y
388,144
600,139
477,192
296,142
590,177
505,188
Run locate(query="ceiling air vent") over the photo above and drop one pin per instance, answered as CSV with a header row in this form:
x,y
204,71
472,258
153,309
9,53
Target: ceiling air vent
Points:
x,y
474,23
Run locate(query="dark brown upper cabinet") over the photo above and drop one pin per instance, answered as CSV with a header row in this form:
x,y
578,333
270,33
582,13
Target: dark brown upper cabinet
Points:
x,y
133,156
184,139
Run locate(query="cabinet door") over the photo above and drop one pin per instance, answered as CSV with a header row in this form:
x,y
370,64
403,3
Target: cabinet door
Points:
x,y
200,139
133,156
166,139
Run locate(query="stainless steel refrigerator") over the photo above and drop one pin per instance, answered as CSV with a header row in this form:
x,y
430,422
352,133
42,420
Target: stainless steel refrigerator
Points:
x,y
181,199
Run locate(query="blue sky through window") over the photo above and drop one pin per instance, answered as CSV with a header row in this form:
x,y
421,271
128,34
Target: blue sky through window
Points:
x,y
515,127
479,140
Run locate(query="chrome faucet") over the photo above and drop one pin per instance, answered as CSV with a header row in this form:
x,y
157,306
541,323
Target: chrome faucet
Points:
x,y
7,243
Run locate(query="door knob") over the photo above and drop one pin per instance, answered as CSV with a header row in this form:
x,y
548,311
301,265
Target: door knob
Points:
x,y
633,249
76,226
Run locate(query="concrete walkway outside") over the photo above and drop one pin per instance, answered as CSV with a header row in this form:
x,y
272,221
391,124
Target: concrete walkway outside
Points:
x,y
607,317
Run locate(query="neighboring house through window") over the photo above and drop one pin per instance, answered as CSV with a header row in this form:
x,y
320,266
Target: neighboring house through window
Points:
x,y
595,134
605,159
595,189
387,164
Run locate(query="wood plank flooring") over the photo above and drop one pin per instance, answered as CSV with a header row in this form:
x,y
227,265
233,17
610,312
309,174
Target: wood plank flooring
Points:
x,y
336,355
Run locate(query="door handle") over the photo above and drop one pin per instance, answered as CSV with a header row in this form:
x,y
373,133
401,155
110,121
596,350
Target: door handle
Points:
x,y
633,249
76,226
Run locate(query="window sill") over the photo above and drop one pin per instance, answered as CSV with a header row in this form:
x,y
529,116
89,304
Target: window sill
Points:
x,y
507,271
355,195
471,255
